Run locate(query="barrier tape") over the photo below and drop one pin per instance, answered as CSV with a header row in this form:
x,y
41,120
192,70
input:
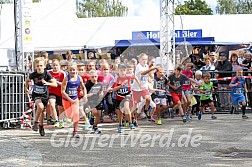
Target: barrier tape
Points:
x,y
226,78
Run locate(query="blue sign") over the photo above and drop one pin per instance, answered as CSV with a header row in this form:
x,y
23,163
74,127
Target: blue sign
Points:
x,y
197,33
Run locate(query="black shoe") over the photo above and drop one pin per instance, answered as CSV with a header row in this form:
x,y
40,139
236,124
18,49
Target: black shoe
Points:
x,y
41,130
35,126
75,135
245,117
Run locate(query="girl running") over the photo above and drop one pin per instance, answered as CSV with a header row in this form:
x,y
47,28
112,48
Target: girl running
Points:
x,y
69,90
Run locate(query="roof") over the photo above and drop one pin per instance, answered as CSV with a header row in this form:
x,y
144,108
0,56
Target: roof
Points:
x,y
56,26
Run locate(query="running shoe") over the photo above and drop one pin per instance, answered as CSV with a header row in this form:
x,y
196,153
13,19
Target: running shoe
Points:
x,y
87,125
245,117
57,124
184,119
171,112
120,129
213,117
35,126
50,122
61,125
159,122
152,119
96,130
91,121
127,124
132,126
199,116
41,130
75,135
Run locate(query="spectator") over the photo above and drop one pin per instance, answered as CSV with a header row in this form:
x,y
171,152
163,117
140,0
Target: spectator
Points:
x,y
91,66
91,55
247,62
208,66
213,59
69,56
241,57
223,68
235,63
199,63
48,65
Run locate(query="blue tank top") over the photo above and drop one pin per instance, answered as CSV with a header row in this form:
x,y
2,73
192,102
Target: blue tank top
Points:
x,y
72,87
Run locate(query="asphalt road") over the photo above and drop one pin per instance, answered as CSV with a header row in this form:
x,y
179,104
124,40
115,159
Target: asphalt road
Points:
x,y
226,141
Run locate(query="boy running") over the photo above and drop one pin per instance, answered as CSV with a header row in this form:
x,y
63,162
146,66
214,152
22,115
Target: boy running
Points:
x,y
41,79
206,96
238,85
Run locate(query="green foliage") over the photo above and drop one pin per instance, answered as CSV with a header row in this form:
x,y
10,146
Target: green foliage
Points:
x,y
101,8
193,7
234,7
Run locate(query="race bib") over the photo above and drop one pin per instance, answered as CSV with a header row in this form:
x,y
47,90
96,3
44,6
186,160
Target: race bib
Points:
x,y
187,82
177,84
208,94
40,89
161,93
123,90
238,91
72,92
144,78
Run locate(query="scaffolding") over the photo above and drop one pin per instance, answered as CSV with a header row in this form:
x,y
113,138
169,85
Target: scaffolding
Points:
x,y
167,33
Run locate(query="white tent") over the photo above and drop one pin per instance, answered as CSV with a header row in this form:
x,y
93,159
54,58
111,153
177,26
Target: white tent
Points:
x,y
55,26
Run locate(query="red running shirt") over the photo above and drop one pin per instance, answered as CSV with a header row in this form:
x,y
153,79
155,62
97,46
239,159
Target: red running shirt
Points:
x,y
59,76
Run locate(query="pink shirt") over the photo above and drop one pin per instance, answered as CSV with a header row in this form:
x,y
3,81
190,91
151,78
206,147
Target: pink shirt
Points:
x,y
107,81
187,84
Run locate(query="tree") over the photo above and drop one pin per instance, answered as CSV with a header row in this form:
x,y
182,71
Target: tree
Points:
x,y
234,7
5,1
193,7
100,8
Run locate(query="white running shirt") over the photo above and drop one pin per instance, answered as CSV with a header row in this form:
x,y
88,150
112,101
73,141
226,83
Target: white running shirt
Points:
x,y
143,79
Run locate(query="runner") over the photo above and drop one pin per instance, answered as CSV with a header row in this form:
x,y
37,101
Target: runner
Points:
x,y
95,99
238,85
175,82
69,90
206,97
41,79
55,96
141,72
123,99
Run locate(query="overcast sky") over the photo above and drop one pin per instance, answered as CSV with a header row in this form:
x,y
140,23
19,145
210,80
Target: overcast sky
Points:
x,y
150,8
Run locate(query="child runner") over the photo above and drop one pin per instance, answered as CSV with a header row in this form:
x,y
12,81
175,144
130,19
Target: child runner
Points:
x,y
206,96
82,73
187,89
196,92
175,82
160,95
123,98
141,72
55,96
95,98
238,85
69,90
41,79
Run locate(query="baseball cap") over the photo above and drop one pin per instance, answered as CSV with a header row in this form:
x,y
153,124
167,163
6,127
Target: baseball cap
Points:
x,y
223,54
212,54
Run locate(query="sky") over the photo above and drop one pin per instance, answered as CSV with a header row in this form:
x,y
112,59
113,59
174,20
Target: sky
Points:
x,y
150,8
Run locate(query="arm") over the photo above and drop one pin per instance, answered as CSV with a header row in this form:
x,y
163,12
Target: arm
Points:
x,y
139,84
233,84
115,88
193,81
84,90
171,86
147,71
27,85
245,88
51,82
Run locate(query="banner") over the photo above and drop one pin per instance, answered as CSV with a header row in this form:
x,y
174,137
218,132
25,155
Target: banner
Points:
x,y
26,25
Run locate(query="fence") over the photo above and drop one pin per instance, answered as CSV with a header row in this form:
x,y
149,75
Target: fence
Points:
x,y
12,97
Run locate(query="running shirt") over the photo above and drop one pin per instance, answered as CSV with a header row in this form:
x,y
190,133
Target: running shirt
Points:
x,y
59,76
178,82
121,93
238,90
143,79
95,89
187,84
207,95
160,83
72,87
107,81
39,88
197,92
